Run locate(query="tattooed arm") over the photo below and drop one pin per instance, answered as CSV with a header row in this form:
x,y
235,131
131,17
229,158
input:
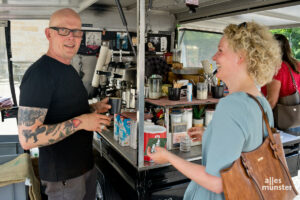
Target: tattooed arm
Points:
x,y
34,133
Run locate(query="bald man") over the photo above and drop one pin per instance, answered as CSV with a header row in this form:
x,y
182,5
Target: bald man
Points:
x,y
55,116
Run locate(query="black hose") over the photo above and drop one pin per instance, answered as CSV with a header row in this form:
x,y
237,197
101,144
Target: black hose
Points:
x,y
125,24
10,67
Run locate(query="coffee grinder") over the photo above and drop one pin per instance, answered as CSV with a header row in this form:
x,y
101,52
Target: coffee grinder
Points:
x,y
103,86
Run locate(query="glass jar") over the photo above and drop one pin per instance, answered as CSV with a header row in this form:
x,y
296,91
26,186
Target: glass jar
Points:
x,y
176,117
185,143
187,116
202,91
208,116
155,84
176,55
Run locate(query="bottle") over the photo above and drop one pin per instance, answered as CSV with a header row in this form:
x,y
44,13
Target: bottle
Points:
x,y
34,152
153,148
189,94
157,143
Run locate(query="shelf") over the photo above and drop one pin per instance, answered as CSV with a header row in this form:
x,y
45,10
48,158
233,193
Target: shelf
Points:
x,y
131,154
188,71
165,102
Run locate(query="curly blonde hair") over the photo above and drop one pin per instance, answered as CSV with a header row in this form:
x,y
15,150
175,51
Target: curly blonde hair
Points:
x,y
262,51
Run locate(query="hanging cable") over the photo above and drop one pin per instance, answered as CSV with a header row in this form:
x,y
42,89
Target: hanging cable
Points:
x,y
125,24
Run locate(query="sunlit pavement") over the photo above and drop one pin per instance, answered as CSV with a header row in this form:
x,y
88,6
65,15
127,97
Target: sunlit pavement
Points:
x,y
9,127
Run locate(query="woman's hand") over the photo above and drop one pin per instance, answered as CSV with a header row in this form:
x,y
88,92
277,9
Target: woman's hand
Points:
x,y
196,133
160,156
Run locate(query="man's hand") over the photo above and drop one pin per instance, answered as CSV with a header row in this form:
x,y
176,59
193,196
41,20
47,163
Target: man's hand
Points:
x,y
196,133
94,122
101,106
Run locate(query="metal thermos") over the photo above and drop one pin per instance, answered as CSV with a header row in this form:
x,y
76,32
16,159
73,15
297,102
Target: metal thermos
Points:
x,y
146,91
127,98
132,98
118,84
124,97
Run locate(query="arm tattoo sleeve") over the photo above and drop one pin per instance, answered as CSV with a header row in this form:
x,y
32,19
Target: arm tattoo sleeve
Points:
x,y
29,117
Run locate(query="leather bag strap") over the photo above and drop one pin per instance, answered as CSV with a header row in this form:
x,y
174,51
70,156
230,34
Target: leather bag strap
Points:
x,y
265,119
294,82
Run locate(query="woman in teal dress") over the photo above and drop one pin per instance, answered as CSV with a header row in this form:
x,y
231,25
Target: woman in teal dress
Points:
x,y
248,57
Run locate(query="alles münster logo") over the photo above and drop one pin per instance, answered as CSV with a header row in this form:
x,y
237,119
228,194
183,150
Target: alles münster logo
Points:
x,y
272,184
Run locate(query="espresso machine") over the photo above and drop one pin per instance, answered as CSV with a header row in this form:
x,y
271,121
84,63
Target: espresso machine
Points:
x,y
119,77
112,85
115,79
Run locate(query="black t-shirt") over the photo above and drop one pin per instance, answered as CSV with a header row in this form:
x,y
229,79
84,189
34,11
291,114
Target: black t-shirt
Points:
x,y
51,84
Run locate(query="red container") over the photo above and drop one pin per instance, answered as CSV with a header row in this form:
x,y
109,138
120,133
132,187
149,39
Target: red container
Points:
x,y
154,136
169,57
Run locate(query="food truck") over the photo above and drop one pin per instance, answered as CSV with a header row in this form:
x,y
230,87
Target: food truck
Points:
x,y
153,57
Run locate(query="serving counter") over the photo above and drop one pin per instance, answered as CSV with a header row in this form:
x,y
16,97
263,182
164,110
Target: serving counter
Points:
x,y
149,180
130,155
119,170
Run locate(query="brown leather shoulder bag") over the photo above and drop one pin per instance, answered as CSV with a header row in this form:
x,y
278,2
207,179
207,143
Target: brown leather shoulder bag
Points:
x,y
287,111
261,174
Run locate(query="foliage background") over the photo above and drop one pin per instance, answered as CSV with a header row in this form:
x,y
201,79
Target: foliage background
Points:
x,y
293,35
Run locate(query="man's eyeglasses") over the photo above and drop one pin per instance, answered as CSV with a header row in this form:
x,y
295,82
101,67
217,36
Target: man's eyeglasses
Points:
x,y
65,31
